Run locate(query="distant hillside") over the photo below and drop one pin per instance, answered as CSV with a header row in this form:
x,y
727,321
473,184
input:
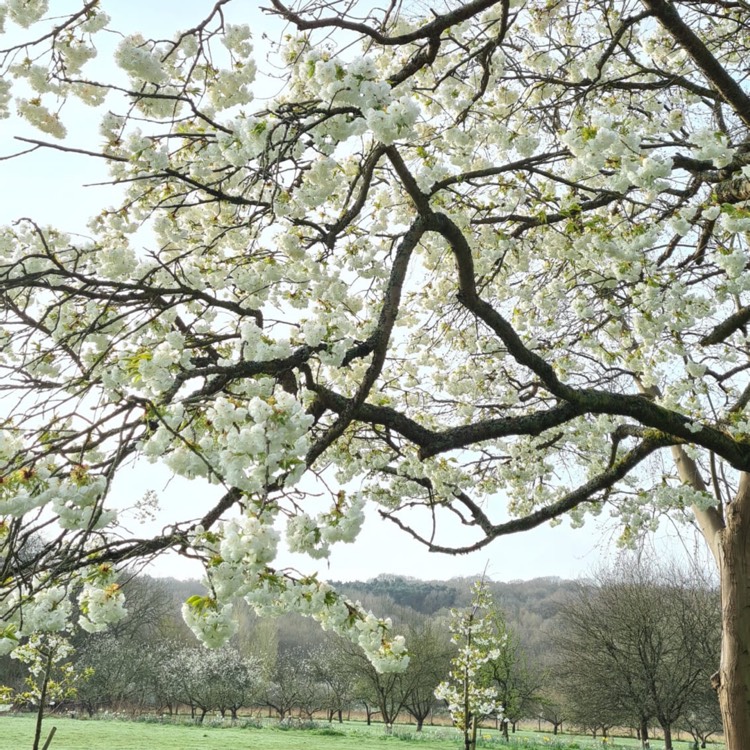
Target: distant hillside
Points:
x,y
530,607
542,596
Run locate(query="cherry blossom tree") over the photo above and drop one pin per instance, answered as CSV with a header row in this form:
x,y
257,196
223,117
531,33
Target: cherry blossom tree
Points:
x,y
469,691
52,677
487,263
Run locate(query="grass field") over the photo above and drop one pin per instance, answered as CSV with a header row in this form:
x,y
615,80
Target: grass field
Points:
x,y
16,733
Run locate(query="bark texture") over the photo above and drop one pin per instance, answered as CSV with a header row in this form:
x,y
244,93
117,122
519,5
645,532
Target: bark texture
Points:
x,y
734,670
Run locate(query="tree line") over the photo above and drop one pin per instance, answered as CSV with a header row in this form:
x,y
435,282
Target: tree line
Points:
x,y
622,649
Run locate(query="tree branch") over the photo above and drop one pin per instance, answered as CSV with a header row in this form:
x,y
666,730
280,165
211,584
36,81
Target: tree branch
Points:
x,y
584,493
729,89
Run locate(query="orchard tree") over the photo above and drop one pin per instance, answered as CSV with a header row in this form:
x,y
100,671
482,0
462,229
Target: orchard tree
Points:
x,y
212,680
236,679
430,652
517,682
493,251
645,639
384,694
468,691
334,672
186,673
120,674
286,686
52,677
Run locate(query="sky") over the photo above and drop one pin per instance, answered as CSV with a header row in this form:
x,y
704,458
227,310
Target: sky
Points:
x,y
50,187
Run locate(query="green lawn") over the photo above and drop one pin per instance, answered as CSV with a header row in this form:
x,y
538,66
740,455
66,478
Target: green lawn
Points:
x,y
16,733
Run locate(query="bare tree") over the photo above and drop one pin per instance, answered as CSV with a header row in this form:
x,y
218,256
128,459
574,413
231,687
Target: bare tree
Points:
x,y
430,651
643,638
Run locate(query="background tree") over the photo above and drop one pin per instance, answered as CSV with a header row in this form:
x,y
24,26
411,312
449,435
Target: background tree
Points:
x,y
587,706
552,708
517,684
186,673
162,682
430,652
383,694
286,686
120,675
333,671
568,183
702,716
644,637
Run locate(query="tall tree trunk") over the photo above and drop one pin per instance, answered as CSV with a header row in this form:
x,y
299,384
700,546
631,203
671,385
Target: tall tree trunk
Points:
x,y
733,683
727,537
42,701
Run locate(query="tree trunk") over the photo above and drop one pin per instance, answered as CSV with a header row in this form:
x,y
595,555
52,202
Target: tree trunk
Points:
x,y
727,537
643,732
667,729
42,701
470,736
420,722
733,682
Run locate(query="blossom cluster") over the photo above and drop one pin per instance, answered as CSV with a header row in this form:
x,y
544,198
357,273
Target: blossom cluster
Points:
x,y
248,442
237,558
101,606
46,609
342,523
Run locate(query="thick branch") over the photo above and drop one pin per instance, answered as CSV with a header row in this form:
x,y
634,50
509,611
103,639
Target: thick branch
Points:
x,y
380,338
727,327
716,74
587,400
709,519
431,442
431,30
584,493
